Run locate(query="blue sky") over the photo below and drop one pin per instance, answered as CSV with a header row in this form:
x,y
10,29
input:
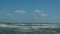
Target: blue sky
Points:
x,y
34,11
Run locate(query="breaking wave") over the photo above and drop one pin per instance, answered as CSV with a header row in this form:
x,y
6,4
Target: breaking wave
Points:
x,y
30,28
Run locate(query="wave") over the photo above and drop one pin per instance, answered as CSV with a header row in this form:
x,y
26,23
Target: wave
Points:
x,y
24,25
40,28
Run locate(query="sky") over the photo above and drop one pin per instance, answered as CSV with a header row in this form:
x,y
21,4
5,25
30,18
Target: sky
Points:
x,y
30,11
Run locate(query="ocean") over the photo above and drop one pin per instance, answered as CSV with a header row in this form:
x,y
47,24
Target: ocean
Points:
x,y
19,28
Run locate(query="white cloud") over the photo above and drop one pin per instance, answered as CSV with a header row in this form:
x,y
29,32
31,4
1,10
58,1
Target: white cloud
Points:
x,y
43,14
19,11
38,11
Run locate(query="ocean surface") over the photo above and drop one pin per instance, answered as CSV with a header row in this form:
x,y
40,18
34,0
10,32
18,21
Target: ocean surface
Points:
x,y
9,28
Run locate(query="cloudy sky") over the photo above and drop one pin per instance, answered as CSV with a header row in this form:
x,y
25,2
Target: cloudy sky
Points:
x,y
30,11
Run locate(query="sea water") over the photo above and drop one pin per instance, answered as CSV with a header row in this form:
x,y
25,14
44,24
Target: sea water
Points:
x,y
29,28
